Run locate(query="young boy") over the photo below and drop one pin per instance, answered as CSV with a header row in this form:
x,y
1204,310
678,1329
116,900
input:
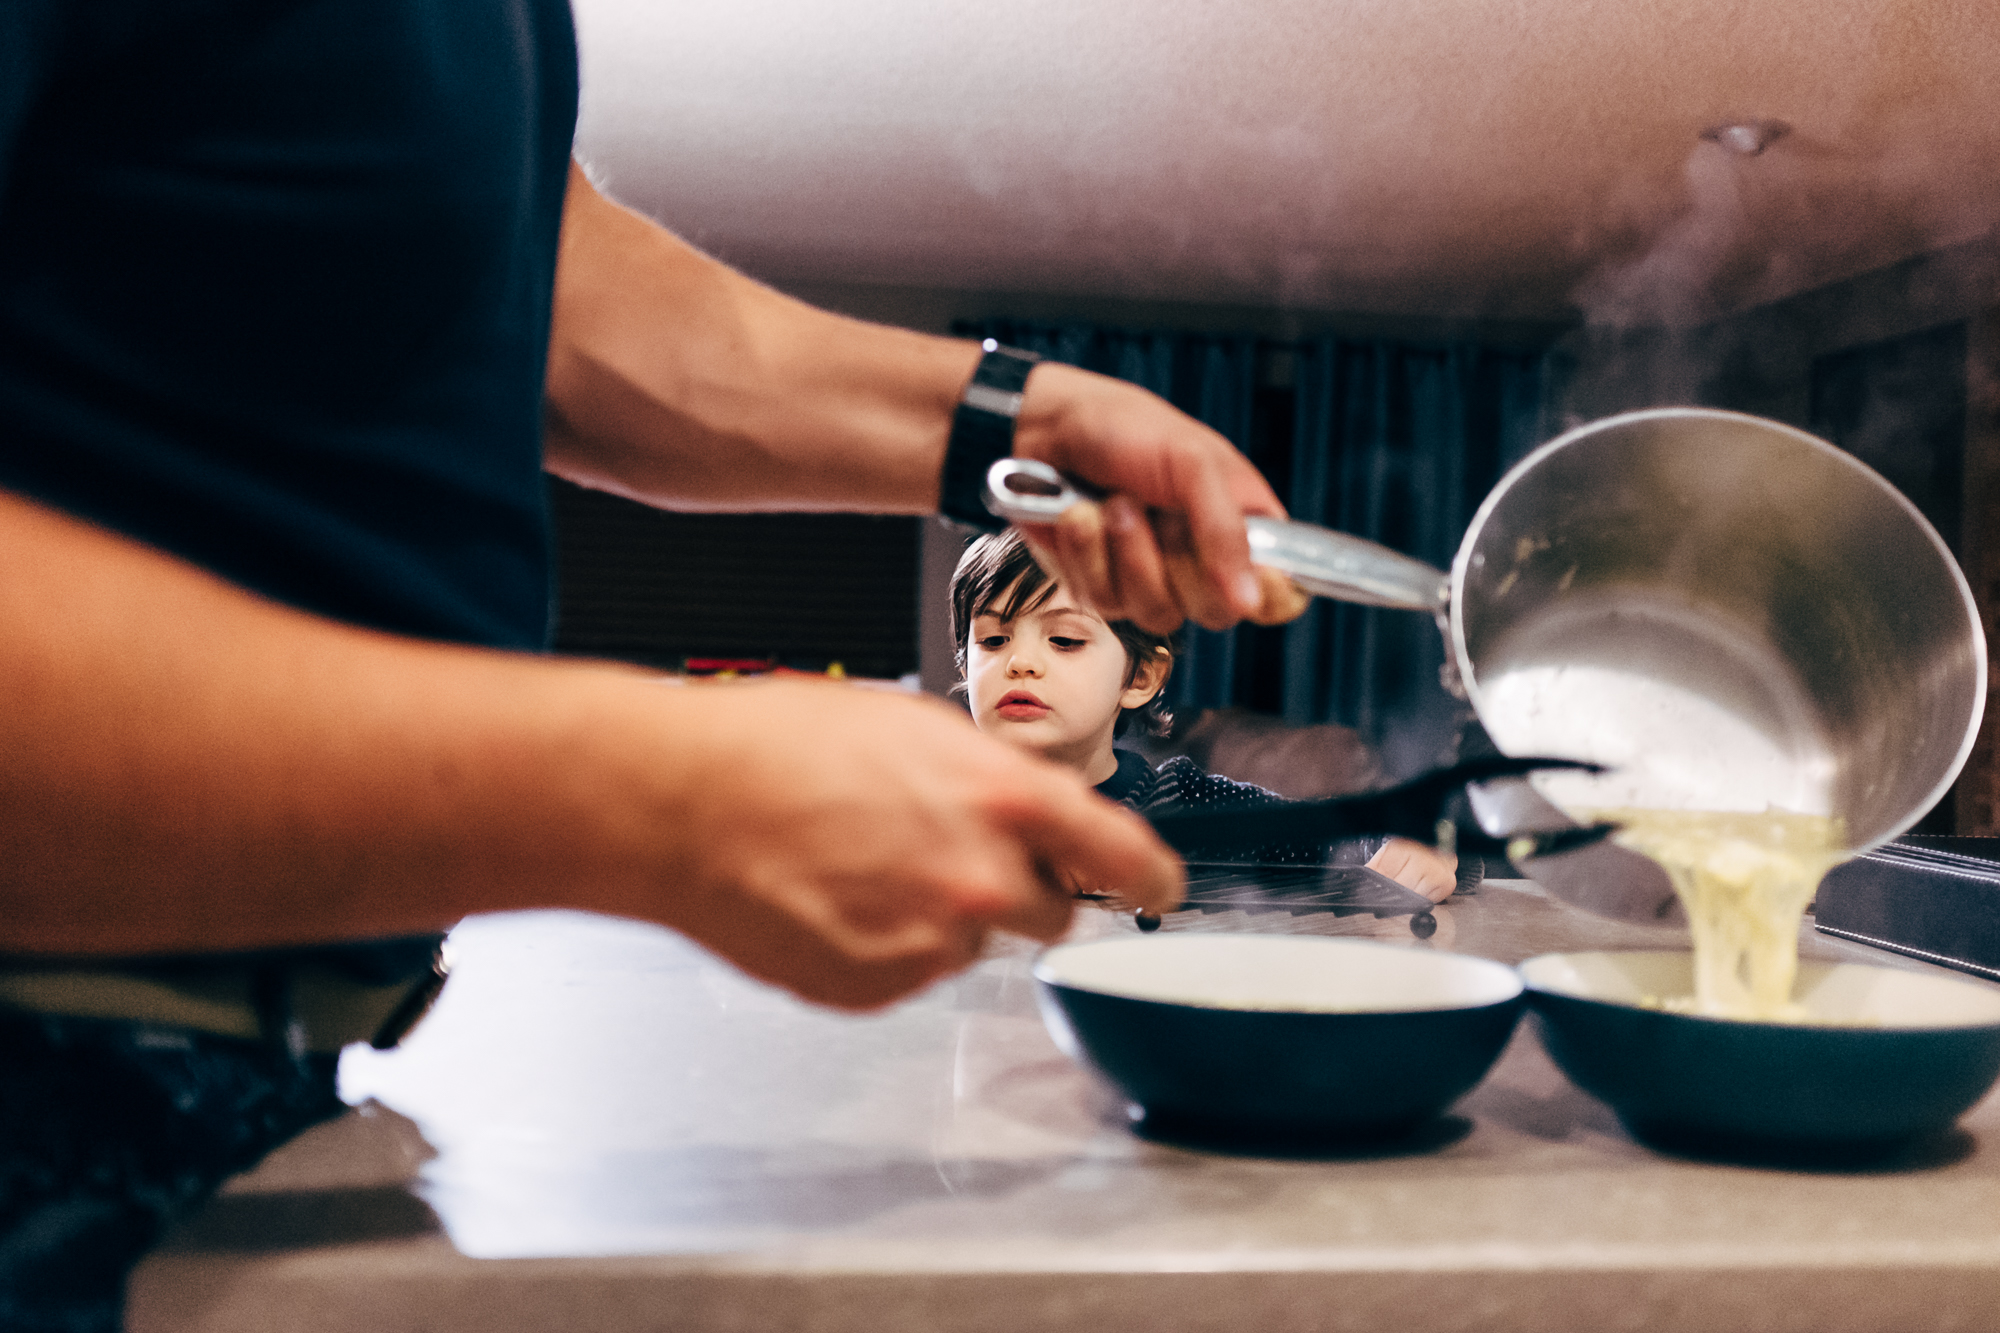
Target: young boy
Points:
x,y
1044,673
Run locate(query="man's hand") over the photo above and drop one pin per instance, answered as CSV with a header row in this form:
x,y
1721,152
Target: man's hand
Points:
x,y
1168,545
854,846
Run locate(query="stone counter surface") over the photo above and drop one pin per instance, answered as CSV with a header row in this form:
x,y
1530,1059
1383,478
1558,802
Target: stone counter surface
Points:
x,y
602,1128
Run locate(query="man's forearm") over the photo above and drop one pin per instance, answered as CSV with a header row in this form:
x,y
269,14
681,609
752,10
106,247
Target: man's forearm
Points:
x,y
676,380
185,767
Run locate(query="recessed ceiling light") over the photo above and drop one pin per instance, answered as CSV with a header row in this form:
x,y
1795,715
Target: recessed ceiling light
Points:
x,y
1747,138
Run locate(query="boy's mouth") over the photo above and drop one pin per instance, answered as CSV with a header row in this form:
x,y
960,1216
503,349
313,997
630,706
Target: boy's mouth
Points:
x,y
1020,706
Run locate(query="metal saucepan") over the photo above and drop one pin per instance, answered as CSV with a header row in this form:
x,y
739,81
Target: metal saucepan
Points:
x,y
1726,612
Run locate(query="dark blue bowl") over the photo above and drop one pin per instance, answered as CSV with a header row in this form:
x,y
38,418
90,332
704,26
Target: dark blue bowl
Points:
x,y
1279,1036
1916,1050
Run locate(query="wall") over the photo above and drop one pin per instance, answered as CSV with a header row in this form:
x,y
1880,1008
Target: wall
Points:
x,y
1760,360
805,590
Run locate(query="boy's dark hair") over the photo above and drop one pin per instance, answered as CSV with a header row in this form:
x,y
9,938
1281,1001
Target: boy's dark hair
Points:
x,y
1001,565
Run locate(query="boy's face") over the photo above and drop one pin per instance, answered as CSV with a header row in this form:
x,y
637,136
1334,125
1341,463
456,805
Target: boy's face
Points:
x,y
1052,681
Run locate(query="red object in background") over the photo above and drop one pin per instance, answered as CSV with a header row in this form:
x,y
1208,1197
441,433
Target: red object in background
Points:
x,y
754,666
741,666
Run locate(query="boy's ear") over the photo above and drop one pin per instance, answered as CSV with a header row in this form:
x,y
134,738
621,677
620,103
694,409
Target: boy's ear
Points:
x,y
1149,676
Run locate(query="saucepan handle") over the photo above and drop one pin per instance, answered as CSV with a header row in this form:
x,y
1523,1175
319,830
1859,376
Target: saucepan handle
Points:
x,y
1321,561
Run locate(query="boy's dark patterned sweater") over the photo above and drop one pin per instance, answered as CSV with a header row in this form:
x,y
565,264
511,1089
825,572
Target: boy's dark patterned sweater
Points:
x,y
1180,784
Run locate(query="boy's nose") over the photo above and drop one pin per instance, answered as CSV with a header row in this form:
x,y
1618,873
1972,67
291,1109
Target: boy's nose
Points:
x,y
1020,664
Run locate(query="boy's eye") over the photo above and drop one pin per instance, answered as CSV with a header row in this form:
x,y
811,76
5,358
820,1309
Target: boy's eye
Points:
x,y
1067,644
993,642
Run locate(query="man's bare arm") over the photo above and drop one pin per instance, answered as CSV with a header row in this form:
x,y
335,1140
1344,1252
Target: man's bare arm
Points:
x,y
676,380
185,767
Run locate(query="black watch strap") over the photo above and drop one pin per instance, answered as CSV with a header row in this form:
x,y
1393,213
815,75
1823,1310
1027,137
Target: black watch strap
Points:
x,y
982,433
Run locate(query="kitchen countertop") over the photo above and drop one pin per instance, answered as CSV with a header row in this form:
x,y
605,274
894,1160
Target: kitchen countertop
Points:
x,y
603,1128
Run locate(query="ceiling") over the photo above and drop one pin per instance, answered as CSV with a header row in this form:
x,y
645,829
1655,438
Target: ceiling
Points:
x,y
1462,158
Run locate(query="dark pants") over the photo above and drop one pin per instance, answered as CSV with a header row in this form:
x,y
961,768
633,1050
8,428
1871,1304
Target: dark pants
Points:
x,y
108,1132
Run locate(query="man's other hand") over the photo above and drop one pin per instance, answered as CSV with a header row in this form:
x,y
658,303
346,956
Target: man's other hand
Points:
x,y
1168,544
855,845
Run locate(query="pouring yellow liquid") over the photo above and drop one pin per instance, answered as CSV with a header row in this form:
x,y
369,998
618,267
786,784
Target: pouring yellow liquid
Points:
x,y
1745,881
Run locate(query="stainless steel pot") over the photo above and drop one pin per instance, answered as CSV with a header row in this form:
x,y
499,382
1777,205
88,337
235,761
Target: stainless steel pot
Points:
x,y
1728,612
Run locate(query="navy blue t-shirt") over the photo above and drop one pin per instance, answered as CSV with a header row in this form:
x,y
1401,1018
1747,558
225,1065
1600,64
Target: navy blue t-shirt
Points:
x,y
275,281
275,284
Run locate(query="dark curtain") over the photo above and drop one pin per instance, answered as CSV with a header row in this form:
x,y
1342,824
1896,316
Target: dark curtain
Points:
x,y
1395,442
1399,444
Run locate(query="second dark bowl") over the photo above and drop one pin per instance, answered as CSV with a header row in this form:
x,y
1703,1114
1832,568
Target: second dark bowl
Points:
x,y
1895,1054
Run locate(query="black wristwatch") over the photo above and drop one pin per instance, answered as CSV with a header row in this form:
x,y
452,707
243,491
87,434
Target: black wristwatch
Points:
x,y
982,433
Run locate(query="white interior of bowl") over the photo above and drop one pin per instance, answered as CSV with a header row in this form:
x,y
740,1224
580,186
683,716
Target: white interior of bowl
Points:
x,y
1840,994
1289,973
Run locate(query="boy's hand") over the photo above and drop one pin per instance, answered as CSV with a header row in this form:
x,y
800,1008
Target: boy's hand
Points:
x,y
855,845
1168,545
1421,869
